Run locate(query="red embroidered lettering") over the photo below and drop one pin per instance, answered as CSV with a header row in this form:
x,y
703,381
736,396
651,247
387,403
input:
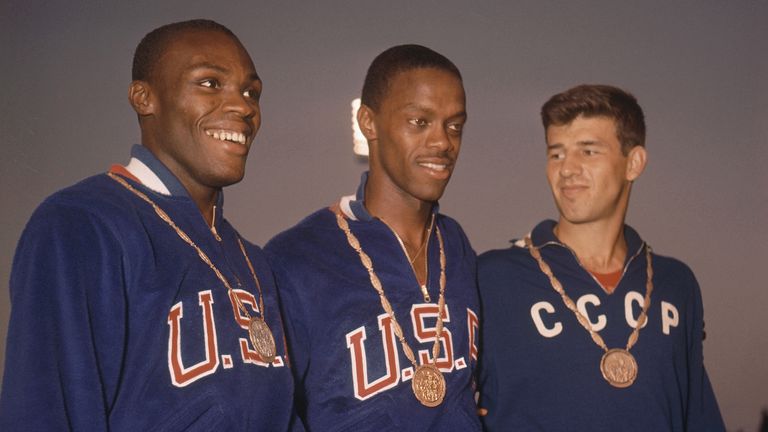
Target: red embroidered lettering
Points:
x,y
182,376
473,324
248,355
362,387
424,334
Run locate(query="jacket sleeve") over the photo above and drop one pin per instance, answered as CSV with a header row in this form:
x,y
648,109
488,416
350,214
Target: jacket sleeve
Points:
x,y
488,408
295,331
703,413
66,330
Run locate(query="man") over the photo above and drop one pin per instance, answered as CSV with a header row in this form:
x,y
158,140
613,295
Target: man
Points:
x,y
136,305
584,328
362,281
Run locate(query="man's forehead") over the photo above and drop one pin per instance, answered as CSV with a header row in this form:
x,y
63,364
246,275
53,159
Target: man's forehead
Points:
x,y
211,49
415,90
582,131
201,42
585,124
422,75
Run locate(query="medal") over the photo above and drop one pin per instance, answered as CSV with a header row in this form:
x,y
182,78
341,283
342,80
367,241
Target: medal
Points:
x,y
428,382
262,339
619,367
428,385
258,330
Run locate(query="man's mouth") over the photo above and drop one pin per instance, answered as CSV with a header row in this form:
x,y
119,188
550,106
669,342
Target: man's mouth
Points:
x,y
572,190
434,166
226,135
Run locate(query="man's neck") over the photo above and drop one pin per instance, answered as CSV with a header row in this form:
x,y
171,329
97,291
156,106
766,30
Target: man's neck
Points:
x,y
205,199
599,246
408,216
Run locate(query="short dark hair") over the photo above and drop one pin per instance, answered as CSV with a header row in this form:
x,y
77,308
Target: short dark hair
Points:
x,y
594,100
152,46
398,59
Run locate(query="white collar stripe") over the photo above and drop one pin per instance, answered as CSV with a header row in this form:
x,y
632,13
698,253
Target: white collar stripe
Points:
x,y
147,177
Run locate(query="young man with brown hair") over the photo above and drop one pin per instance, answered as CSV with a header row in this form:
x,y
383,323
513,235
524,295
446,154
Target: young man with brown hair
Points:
x,y
584,328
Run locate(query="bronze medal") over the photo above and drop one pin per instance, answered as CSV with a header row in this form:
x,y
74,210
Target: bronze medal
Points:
x,y
262,339
428,385
619,367
258,330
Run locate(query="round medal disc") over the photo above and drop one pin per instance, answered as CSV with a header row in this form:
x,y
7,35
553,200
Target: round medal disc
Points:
x,y
428,385
262,339
619,367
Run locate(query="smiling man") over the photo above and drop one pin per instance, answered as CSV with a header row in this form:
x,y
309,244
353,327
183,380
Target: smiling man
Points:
x,y
135,305
369,283
585,329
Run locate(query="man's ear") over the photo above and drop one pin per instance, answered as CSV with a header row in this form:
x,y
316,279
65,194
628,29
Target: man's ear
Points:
x,y
366,123
140,98
636,161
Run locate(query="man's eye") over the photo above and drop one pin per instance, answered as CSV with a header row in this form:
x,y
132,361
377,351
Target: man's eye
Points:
x,y
555,156
456,127
252,94
418,122
210,83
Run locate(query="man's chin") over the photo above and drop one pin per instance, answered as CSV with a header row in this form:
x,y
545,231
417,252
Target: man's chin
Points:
x,y
228,179
432,196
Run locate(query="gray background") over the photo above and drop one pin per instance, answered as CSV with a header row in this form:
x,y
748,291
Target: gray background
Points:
x,y
699,69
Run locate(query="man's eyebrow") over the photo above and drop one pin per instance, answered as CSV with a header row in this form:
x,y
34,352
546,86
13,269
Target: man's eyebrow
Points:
x,y
426,109
254,76
416,107
589,142
461,114
582,143
207,65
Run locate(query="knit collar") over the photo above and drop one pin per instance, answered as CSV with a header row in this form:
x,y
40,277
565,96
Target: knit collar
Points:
x,y
148,170
544,234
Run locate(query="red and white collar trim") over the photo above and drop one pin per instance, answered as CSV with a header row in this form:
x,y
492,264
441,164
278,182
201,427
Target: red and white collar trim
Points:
x,y
146,176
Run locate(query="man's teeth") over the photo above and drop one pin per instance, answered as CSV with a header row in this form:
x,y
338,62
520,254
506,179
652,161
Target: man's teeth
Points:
x,y
433,166
224,135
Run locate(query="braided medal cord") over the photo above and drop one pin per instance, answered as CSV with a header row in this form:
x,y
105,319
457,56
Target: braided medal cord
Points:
x,y
534,251
368,264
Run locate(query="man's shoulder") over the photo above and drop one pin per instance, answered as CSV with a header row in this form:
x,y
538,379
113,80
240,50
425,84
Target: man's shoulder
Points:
x,y
513,255
670,268
669,262
85,217
94,195
498,268
448,221
449,224
306,232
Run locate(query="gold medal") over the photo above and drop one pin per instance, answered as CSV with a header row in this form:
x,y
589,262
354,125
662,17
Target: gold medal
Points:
x,y
428,385
262,339
619,367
